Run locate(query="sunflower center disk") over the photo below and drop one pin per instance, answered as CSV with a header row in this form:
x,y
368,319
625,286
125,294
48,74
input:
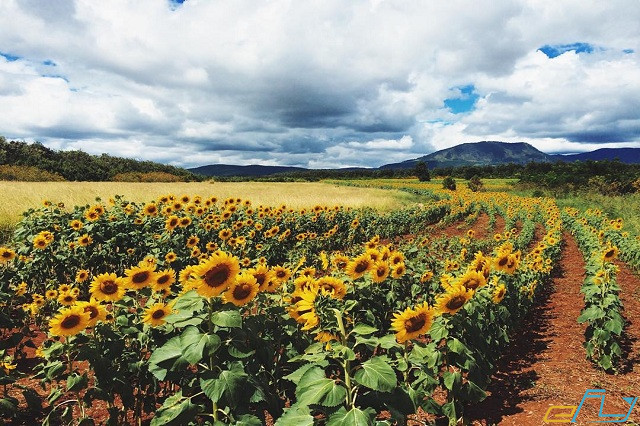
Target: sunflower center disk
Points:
x,y
70,322
217,276
109,287
242,291
456,302
414,324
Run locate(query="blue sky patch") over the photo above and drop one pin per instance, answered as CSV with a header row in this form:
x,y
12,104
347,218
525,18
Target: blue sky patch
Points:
x,y
558,49
627,51
9,57
49,63
463,103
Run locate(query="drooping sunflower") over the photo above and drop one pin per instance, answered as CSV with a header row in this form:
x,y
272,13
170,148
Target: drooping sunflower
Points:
x,y
107,287
412,322
359,266
304,310
333,286
453,300
472,280
164,279
6,255
69,322
96,311
498,293
155,315
380,272
216,274
243,290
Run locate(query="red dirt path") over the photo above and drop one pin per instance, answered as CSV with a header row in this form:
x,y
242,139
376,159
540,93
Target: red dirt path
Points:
x,y
546,363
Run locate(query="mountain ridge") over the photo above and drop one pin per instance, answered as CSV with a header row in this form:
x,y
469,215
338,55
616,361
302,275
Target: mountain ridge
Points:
x,y
480,153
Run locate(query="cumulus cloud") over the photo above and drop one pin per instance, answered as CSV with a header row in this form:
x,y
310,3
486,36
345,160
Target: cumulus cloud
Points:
x,y
320,83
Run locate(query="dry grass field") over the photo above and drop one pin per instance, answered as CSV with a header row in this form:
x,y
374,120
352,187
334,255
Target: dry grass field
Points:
x,y
20,196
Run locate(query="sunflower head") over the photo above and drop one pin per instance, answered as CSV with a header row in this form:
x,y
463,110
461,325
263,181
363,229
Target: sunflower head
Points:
x,y
242,290
453,300
69,321
412,322
216,274
140,276
155,315
107,287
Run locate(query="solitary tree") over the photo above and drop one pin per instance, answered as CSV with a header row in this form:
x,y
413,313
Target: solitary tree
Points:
x,y
449,183
475,183
421,171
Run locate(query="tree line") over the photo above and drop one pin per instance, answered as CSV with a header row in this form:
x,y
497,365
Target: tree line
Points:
x,y
80,166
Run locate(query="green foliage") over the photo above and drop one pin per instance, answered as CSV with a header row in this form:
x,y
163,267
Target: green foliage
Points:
x,y
78,165
449,183
27,174
421,171
475,183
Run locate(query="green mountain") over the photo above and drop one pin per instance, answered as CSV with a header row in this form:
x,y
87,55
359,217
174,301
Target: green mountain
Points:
x,y
479,154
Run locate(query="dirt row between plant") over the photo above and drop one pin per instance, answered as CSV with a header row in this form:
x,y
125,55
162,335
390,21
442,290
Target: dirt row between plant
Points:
x,y
546,364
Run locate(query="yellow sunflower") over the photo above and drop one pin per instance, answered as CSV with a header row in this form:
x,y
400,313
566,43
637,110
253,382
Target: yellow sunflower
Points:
x,y
333,286
380,272
51,294
96,311
155,315
40,242
304,311
6,255
216,274
164,279
498,293
281,273
107,287
472,280
260,274
139,277
66,299
610,253
340,261
82,275
398,270
451,301
359,266
411,323
69,322
170,257
242,290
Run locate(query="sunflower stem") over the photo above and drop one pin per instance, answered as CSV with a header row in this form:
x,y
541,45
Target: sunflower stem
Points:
x,y
346,364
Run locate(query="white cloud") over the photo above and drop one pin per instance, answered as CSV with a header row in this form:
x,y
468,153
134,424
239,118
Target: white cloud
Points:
x,y
314,83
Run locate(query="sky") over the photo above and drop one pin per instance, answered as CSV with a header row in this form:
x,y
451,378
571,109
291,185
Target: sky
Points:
x,y
318,83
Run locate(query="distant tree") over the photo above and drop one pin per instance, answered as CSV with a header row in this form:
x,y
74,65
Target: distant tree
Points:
x,y
449,183
475,183
422,172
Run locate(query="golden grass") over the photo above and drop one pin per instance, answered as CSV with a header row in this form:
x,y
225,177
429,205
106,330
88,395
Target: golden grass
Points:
x,y
20,196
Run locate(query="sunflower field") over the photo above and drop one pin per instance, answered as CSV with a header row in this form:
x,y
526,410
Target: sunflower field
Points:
x,y
194,310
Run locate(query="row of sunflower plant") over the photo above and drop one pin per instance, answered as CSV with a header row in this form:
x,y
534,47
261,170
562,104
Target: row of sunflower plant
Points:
x,y
227,337
65,263
603,308
628,244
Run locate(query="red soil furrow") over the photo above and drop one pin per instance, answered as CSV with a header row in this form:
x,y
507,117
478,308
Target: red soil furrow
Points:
x,y
546,364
